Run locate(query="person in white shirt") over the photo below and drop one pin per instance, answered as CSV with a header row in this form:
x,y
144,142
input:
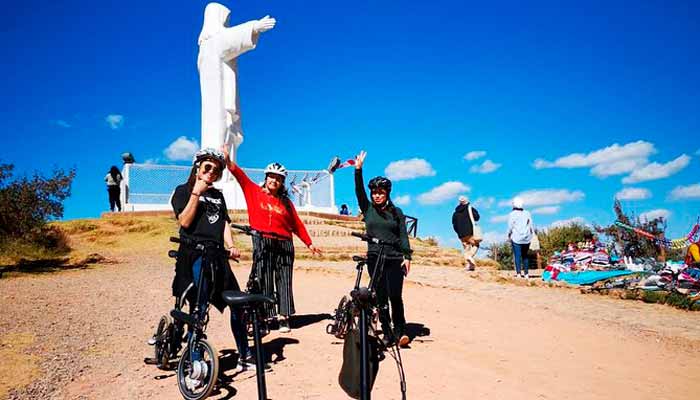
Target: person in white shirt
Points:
x,y
114,180
520,233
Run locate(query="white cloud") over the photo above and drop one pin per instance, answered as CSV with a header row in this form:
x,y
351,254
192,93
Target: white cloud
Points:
x,y
632,193
655,170
492,237
635,150
182,149
408,169
685,192
485,202
618,167
444,192
402,200
152,161
486,167
567,222
654,214
547,210
474,155
498,218
545,197
115,121
61,123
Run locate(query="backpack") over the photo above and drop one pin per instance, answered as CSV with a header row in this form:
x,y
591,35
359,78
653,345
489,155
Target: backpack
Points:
x,y
349,377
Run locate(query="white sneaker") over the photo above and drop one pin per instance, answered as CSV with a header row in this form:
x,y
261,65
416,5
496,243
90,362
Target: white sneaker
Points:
x,y
284,325
247,364
527,276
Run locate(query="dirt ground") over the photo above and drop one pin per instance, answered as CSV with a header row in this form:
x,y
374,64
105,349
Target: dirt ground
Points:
x,y
82,334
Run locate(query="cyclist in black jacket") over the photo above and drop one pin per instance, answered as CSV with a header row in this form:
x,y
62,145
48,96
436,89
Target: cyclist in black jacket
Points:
x,y
201,211
387,222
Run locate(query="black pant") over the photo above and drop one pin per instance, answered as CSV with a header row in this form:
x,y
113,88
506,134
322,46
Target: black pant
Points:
x,y
273,264
114,194
389,286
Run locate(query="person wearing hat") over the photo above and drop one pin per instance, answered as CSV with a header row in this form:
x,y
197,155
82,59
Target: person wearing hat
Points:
x,y
271,211
463,221
520,233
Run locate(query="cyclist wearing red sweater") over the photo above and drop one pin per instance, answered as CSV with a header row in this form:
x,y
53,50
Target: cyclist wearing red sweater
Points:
x,y
270,210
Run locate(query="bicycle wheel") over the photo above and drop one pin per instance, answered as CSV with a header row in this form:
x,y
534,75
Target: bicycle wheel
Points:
x,y
196,379
163,337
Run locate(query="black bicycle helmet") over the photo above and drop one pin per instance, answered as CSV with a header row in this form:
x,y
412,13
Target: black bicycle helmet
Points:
x,y
380,182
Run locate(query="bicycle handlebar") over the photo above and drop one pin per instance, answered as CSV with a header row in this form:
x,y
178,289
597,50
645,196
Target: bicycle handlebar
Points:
x,y
248,230
370,239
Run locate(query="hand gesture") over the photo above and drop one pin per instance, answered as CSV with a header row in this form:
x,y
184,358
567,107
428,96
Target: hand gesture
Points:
x,y
315,251
227,158
200,186
264,24
360,159
406,266
234,253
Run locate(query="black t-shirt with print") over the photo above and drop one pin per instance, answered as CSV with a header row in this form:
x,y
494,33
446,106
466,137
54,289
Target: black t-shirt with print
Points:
x,y
211,214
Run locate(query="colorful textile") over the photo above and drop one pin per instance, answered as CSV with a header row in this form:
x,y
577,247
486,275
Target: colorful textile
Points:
x,y
584,277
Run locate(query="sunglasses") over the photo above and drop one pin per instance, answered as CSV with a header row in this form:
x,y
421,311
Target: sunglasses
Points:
x,y
211,168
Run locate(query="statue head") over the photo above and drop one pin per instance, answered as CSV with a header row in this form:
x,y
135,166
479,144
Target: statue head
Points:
x,y
215,20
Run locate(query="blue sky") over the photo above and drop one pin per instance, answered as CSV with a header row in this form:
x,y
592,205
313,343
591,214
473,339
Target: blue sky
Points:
x,y
615,82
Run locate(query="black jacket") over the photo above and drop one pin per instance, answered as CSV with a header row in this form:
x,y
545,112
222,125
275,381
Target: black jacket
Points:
x,y
461,222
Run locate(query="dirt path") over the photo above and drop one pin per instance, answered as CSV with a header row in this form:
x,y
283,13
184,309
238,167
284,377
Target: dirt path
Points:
x,y
86,330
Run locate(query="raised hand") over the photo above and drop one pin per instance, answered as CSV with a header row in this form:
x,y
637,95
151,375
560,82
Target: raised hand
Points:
x,y
264,24
360,159
200,186
230,164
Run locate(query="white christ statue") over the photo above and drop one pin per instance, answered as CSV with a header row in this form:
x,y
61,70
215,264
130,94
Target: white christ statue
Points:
x,y
219,47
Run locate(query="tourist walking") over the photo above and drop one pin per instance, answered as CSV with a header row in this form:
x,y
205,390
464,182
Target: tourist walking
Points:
x,y
271,211
385,221
114,180
464,222
520,233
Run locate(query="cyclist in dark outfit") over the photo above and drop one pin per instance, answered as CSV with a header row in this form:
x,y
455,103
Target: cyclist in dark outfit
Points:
x,y
387,222
201,211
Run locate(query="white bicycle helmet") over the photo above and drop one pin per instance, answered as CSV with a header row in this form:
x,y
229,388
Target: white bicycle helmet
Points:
x,y
276,168
208,154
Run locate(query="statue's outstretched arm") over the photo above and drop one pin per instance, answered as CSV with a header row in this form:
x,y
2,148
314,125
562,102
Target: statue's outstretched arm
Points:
x,y
264,24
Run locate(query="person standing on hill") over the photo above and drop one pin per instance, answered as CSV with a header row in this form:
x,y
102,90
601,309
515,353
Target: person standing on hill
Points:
x,y
201,211
520,233
384,221
463,221
271,212
114,180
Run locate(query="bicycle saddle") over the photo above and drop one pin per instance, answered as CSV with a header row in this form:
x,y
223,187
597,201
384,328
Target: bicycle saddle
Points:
x,y
238,298
359,258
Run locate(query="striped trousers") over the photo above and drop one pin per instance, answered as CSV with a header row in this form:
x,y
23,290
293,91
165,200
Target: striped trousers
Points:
x,y
273,261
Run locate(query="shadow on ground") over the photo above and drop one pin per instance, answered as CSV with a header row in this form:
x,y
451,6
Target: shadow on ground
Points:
x,y
300,321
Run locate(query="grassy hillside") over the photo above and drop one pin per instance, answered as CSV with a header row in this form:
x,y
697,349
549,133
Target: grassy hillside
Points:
x,y
114,235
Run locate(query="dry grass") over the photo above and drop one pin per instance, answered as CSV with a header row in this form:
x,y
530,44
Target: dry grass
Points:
x,y
18,368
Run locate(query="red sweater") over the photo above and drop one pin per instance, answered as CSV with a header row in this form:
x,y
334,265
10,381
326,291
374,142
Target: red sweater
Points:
x,y
267,213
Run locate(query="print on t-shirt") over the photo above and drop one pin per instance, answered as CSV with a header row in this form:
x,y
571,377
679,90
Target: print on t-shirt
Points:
x,y
212,208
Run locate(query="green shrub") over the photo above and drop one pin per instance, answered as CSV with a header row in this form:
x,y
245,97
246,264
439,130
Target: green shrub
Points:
x,y
28,204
